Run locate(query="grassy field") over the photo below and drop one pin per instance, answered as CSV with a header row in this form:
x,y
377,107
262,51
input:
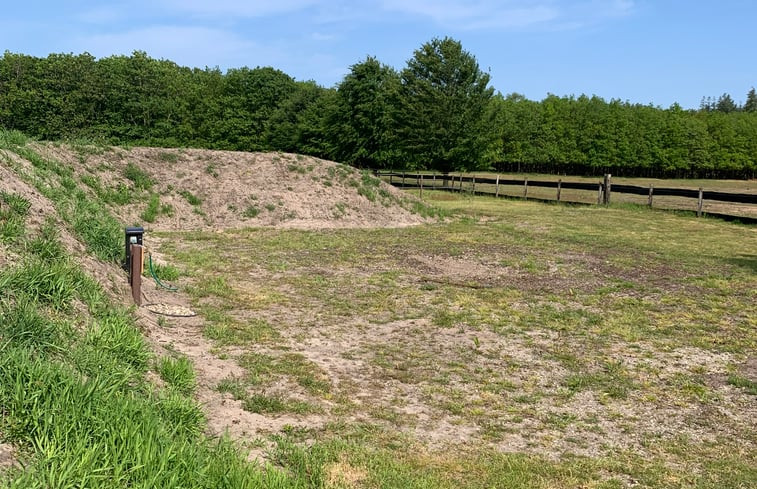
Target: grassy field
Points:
x,y
513,344
516,344
590,197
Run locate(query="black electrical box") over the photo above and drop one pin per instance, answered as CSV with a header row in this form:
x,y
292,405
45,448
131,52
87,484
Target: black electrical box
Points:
x,y
132,235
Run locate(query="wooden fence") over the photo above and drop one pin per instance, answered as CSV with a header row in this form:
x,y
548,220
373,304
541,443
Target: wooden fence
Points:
x,y
603,189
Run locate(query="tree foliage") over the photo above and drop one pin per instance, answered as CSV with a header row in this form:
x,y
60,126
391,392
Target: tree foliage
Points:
x,y
438,112
360,122
441,109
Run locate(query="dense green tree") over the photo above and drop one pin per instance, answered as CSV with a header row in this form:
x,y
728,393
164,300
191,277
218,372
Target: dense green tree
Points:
x,y
298,124
249,99
360,126
751,101
726,104
438,113
441,109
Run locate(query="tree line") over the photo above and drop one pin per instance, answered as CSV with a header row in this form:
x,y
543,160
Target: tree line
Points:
x,y
437,113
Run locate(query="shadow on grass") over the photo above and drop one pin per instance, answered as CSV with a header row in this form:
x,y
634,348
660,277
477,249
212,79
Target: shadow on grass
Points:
x,y
747,261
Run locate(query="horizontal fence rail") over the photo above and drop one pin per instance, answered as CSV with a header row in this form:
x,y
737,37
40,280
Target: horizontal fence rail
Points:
x,y
604,189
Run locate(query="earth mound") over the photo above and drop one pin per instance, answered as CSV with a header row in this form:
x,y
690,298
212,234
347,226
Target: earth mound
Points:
x,y
171,189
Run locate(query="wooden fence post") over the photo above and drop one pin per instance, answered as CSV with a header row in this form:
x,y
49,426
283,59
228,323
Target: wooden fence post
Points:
x,y
135,273
403,179
496,193
700,202
461,182
473,190
525,188
599,194
651,195
608,188
559,188
421,191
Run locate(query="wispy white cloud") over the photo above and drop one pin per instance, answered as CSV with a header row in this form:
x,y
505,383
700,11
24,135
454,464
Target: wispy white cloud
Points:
x,y
323,37
237,8
190,46
513,14
104,14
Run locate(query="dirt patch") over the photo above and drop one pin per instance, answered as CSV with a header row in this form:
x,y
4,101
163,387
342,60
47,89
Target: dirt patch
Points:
x,y
184,335
7,457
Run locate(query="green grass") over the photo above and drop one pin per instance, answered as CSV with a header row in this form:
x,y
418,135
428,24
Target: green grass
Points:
x,y
262,403
178,373
251,212
140,178
13,211
74,398
165,272
154,209
191,198
544,346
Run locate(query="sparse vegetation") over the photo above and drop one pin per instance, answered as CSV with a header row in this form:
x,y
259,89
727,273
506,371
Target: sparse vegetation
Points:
x,y
251,211
516,321
140,179
191,198
155,209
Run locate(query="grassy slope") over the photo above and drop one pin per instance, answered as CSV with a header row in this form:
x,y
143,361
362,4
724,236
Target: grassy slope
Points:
x,y
73,393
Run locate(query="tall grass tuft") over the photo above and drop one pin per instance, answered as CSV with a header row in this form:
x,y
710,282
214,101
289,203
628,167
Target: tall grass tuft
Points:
x,y
178,373
21,323
13,211
12,138
138,177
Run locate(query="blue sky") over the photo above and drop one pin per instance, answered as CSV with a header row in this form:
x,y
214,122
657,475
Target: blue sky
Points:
x,y
643,51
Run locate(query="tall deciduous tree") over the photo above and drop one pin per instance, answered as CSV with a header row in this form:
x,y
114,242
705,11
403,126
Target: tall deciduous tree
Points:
x,y
360,125
442,108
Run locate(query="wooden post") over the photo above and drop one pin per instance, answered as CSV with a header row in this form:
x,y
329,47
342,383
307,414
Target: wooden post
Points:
x,y
403,179
496,193
421,190
473,190
559,188
461,182
599,194
135,273
434,180
651,195
608,188
525,188
700,202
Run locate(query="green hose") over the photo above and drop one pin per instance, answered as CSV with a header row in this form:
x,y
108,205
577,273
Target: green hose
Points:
x,y
170,288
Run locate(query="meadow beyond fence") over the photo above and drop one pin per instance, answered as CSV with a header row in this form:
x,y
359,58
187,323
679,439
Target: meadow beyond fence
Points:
x,y
741,206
